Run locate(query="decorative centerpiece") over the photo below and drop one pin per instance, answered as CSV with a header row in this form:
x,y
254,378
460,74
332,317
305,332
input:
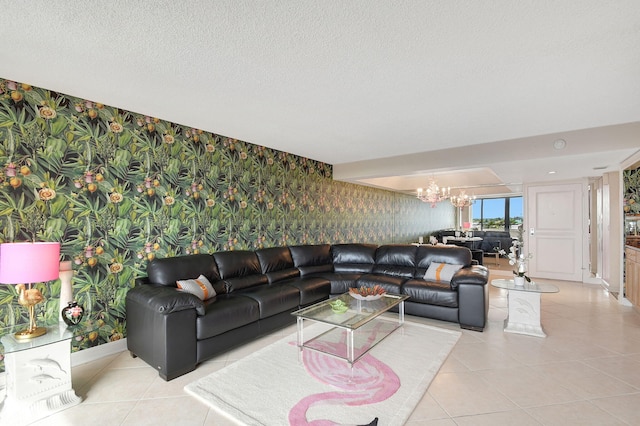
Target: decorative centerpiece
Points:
x,y
367,293
518,259
519,276
338,306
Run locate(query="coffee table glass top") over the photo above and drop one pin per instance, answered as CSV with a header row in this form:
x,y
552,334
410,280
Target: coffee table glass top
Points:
x,y
532,287
358,312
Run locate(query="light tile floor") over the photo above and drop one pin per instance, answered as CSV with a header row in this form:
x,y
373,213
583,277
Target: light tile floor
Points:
x,y
586,372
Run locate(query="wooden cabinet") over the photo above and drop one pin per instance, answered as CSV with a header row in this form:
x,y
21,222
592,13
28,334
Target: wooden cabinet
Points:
x,y
631,230
632,274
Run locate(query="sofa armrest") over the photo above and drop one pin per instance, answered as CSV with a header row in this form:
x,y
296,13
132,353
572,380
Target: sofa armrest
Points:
x,y
473,306
473,296
475,274
161,328
165,300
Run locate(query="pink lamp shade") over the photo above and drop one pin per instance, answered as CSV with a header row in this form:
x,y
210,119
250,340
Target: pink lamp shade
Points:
x,y
24,263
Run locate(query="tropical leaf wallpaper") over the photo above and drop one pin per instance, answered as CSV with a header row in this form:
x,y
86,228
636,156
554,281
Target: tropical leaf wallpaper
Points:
x,y
631,181
118,188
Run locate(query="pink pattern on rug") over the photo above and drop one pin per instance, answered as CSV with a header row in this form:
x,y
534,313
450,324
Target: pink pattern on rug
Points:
x,y
369,381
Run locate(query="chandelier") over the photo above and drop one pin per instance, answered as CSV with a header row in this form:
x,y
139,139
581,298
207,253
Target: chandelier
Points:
x,y
433,194
462,199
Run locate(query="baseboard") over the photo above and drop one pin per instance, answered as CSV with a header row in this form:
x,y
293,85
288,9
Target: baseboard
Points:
x,y
97,352
594,279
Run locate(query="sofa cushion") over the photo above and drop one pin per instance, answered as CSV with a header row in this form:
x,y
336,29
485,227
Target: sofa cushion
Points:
x,y
226,312
391,284
432,293
285,274
315,269
312,289
341,282
442,272
276,263
426,255
241,283
239,269
274,259
239,263
312,259
200,287
352,258
353,268
274,299
166,271
395,260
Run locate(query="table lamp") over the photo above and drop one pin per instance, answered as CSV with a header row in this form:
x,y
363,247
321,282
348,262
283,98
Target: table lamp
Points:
x,y
467,228
28,263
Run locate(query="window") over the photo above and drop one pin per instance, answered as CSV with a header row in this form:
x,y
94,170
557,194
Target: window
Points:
x,y
497,213
515,212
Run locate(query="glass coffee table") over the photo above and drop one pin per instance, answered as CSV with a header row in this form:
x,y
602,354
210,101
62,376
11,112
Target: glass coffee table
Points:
x,y
355,329
524,306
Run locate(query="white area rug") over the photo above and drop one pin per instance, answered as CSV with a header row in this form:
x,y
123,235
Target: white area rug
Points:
x,y
277,386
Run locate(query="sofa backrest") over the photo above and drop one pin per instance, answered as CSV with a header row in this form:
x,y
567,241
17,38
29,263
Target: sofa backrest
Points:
x,y
396,260
444,233
166,271
277,264
353,258
493,240
239,269
230,271
453,255
312,259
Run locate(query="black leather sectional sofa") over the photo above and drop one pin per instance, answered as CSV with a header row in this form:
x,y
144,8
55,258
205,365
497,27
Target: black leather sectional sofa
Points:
x,y
256,291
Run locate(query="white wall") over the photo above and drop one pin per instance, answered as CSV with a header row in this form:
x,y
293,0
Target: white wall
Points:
x,y
612,231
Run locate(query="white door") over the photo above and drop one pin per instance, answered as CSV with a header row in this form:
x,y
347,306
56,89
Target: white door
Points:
x,y
554,234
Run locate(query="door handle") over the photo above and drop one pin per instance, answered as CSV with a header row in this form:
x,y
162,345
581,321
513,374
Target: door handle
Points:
x,y
531,231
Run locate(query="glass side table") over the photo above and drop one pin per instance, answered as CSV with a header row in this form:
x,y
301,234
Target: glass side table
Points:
x,y
38,372
524,306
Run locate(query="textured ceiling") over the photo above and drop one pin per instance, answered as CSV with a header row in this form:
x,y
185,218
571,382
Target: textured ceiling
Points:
x,y
351,82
